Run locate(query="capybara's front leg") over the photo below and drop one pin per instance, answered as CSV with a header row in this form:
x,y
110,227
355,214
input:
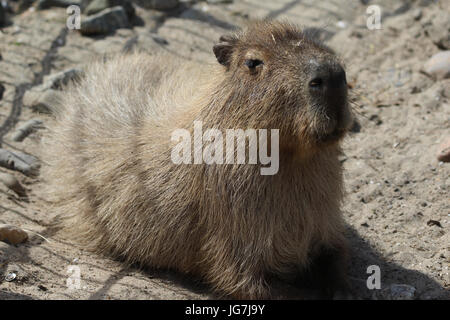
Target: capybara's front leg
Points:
x,y
327,273
235,276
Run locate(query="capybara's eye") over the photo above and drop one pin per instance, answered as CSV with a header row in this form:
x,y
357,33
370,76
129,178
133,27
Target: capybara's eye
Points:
x,y
253,63
315,83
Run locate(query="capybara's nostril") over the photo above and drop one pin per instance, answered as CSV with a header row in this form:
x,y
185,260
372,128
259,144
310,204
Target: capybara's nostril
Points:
x,y
327,76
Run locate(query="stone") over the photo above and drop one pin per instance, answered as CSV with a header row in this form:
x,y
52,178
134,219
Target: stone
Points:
x,y
402,292
26,129
27,164
12,183
57,80
105,22
444,151
417,14
2,91
24,5
439,65
438,30
159,4
45,4
12,234
98,5
42,101
219,1
2,16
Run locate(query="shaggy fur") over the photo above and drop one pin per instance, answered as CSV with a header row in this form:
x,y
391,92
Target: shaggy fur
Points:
x,y
110,173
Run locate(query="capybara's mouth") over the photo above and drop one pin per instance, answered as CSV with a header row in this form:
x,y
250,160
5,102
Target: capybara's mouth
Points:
x,y
334,136
334,124
333,128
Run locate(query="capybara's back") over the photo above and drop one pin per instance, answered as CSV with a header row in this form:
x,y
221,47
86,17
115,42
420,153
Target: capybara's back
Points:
x,y
111,175
95,171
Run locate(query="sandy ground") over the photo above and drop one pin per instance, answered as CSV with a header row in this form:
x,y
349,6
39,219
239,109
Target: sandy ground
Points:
x,y
397,207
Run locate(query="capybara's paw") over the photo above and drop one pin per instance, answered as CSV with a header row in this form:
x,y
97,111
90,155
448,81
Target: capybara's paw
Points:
x,y
326,275
343,294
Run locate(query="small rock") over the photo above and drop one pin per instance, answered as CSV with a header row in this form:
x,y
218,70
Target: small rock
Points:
x,y
12,234
434,223
159,39
356,126
159,4
26,129
444,151
19,161
12,183
342,24
219,1
42,288
42,102
104,22
439,65
45,4
2,16
10,277
97,6
436,27
2,91
375,118
58,80
417,14
402,292
24,5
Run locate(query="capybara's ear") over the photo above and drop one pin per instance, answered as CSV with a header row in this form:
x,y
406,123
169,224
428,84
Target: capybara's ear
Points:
x,y
224,48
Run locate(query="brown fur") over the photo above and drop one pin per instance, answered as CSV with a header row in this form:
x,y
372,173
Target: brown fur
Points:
x,y
111,175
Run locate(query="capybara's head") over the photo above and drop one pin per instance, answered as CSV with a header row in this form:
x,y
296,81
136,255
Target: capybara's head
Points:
x,y
277,76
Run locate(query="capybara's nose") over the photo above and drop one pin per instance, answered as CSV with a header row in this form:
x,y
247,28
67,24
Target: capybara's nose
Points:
x,y
327,76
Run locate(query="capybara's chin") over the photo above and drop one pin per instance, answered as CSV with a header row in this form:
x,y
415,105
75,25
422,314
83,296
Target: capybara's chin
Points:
x,y
331,124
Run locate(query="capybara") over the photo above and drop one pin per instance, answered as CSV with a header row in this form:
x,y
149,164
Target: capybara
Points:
x,y
110,174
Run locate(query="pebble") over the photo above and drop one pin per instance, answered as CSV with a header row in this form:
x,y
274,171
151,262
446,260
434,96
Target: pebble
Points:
x,y
45,4
58,80
2,16
44,97
26,129
402,292
24,5
342,24
439,65
417,14
104,22
159,40
10,277
27,164
97,6
12,183
434,223
219,1
444,151
2,90
42,102
12,234
159,4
